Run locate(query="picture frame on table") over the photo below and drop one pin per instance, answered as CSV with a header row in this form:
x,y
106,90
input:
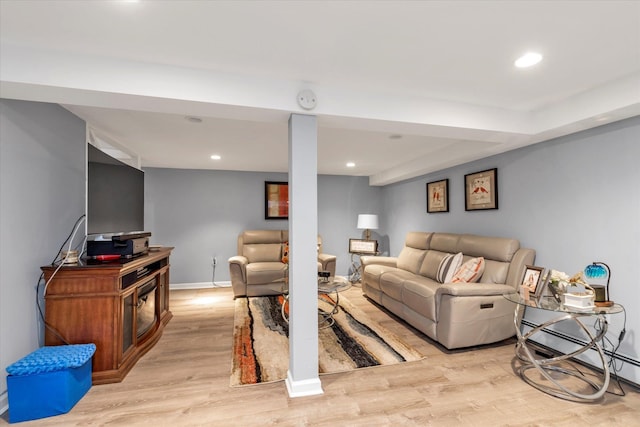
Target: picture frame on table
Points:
x,y
438,196
276,200
532,279
544,283
481,190
363,247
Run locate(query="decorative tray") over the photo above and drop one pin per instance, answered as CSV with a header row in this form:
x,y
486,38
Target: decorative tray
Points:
x,y
579,308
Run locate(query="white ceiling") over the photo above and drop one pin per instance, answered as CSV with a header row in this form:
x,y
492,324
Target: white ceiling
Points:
x,y
438,73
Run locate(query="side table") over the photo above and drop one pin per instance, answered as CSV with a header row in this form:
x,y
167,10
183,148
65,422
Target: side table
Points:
x,y
334,285
357,248
552,369
356,265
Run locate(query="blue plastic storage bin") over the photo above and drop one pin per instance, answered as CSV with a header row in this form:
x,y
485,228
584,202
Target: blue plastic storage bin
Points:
x,y
49,381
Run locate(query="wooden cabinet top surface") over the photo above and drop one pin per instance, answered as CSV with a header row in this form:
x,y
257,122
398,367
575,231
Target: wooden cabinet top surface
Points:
x,y
120,266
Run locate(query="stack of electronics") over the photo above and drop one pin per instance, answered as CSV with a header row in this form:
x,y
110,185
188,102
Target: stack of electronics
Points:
x,y
111,247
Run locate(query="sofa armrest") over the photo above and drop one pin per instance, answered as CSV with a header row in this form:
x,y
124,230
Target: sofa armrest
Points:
x,y
238,272
328,263
239,259
324,258
520,260
472,289
378,260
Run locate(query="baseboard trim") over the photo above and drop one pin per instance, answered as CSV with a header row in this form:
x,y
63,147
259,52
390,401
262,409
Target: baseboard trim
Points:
x,y
4,402
199,285
310,387
628,364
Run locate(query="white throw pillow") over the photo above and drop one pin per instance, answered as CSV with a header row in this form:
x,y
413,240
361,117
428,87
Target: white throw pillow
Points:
x,y
448,266
470,271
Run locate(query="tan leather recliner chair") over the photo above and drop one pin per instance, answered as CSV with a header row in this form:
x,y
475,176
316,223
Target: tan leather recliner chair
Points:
x,y
258,268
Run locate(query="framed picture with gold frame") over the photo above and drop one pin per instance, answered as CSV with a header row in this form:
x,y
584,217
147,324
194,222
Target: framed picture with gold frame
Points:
x,y
276,200
363,247
438,196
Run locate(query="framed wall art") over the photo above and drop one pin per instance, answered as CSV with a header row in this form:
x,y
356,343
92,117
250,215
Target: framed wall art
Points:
x,y
438,196
276,200
481,190
363,247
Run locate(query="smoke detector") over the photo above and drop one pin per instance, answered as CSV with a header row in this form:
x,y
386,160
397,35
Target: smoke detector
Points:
x,y
307,99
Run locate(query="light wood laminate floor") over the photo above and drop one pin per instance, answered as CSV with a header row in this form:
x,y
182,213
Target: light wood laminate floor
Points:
x,y
184,381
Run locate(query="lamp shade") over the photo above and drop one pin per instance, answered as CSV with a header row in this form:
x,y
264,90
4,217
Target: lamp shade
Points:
x,y
368,221
596,270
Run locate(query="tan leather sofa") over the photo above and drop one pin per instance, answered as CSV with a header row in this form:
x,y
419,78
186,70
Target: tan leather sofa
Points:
x,y
454,314
258,269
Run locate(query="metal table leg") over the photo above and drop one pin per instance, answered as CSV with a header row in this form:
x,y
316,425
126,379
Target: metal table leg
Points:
x,y
355,269
547,367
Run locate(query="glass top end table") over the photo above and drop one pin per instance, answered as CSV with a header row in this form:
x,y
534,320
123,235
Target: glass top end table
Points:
x,y
333,285
554,369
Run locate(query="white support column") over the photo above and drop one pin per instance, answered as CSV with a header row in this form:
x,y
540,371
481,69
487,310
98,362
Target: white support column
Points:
x,y
302,377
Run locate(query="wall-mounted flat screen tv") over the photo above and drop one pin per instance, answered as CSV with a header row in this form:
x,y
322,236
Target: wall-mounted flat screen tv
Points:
x,y
115,195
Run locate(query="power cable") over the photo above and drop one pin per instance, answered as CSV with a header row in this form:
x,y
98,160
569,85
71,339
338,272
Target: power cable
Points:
x,y
213,275
61,261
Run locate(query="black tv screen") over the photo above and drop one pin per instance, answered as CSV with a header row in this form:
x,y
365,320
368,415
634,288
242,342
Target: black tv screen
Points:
x,y
115,195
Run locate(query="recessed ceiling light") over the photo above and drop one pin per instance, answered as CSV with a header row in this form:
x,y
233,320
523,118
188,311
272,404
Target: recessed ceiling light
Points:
x,y
193,119
528,59
215,157
351,165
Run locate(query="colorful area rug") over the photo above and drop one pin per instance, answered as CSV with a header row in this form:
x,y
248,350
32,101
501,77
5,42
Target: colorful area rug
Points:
x,y
261,343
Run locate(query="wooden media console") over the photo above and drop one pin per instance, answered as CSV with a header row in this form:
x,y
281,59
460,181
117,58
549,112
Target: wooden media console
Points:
x,y
121,306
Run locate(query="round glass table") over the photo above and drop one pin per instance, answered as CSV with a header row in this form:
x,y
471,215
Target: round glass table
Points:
x,y
553,369
333,285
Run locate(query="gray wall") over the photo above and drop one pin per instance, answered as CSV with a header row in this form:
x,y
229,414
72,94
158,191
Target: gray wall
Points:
x,y
42,194
574,200
201,213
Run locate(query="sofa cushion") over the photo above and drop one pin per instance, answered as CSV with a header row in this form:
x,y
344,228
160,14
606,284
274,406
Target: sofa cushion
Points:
x,y
445,242
265,272
391,283
432,260
470,271
496,248
448,267
410,259
262,236
418,293
495,271
418,239
267,252
373,272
